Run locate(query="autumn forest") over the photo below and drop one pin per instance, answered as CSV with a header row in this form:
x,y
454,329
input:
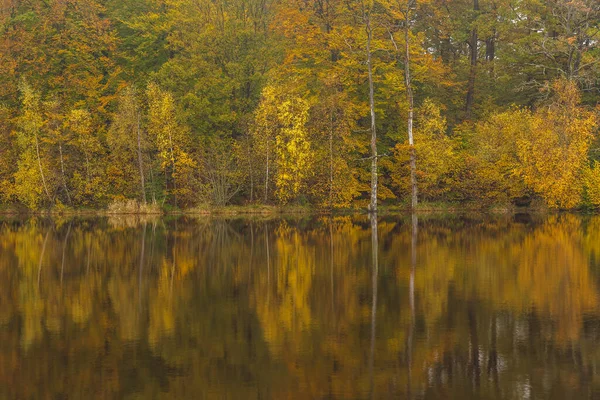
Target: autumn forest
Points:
x,y
180,104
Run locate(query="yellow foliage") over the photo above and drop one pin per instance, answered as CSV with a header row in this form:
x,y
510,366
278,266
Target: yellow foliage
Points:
x,y
437,158
171,140
495,162
283,117
520,152
29,184
553,152
591,178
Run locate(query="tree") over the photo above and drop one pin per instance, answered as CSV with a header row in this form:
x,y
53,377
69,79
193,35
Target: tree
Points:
x,y
560,41
543,152
473,50
281,121
437,153
8,154
171,141
87,174
367,10
406,13
31,184
554,153
127,140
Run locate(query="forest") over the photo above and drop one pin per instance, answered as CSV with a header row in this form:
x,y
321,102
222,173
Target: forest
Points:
x,y
181,104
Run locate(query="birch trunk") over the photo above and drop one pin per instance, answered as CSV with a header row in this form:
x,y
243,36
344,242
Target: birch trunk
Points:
x,y
39,160
62,170
173,166
267,175
373,203
411,105
140,161
331,160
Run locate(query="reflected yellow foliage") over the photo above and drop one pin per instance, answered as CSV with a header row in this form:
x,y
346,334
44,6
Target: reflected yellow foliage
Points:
x,y
286,306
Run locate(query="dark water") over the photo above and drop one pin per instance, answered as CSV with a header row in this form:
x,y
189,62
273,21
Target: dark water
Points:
x,y
300,308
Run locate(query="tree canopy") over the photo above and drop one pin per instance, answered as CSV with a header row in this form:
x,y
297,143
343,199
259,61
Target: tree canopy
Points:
x,y
190,103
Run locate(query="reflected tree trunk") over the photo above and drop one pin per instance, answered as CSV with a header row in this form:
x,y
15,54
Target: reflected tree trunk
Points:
x,y
331,265
268,257
251,253
492,367
411,298
172,266
42,257
152,244
474,341
64,249
375,271
88,255
142,253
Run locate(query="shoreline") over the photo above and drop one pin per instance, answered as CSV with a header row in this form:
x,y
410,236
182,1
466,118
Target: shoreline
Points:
x,y
262,210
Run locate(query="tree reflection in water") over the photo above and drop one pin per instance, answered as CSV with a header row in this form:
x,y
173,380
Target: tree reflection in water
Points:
x,y
332,307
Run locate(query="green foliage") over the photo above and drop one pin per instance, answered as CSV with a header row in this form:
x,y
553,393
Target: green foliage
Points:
x,y
251,101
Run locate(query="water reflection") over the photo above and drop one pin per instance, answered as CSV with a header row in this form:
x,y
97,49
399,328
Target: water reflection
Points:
x,y
342,307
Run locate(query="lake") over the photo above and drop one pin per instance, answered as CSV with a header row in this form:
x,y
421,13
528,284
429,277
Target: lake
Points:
x,y
348,307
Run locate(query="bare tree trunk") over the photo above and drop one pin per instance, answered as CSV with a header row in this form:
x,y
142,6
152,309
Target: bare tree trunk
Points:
x,y
331,159
140,161
62,170
87,167
173,171
39,160
373,203
166,187
153,186
267,175
490,48
473,67
251,171
411,105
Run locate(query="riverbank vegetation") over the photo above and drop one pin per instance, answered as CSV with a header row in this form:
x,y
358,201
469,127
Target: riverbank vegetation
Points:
x,y
168,105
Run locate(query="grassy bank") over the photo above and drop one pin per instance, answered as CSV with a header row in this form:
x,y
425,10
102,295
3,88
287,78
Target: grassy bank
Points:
x,y
135,208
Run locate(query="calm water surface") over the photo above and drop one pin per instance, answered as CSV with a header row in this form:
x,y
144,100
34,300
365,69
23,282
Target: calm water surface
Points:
x,y
300,308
